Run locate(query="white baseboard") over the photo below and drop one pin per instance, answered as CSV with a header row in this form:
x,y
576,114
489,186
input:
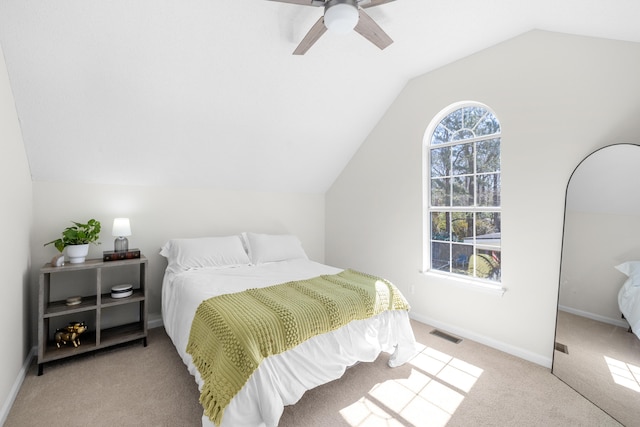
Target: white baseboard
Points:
x,y
616,322
154,321
488,341
13,393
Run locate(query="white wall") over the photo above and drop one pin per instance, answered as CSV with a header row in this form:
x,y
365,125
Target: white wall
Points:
x,y
158,214
15,215
558,98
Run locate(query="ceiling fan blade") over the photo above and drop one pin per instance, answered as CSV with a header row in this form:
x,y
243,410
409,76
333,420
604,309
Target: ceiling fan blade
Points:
x,y
304,2
372,3
371,31
312,36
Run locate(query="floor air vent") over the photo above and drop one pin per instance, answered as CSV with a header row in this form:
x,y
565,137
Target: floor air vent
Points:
x,y
446,336
562,347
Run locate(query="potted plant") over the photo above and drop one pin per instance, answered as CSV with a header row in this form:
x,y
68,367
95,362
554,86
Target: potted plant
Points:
x,y
77,238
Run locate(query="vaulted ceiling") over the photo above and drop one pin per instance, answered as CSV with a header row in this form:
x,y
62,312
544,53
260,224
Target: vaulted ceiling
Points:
x,y
206,93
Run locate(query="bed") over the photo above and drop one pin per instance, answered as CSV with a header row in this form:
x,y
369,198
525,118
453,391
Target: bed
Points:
x,y
629,294
201,268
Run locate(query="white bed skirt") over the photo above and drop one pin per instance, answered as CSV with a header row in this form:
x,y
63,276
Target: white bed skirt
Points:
x,y
282,379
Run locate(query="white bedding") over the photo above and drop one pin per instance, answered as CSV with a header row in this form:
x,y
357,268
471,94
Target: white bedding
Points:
x,y
281,379
629,302
629,294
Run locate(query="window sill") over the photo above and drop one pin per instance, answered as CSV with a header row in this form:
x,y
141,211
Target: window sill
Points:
x,y
473,285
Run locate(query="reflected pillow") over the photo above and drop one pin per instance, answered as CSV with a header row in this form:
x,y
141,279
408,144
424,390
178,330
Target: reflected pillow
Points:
x,y
204,252
632,270
274,247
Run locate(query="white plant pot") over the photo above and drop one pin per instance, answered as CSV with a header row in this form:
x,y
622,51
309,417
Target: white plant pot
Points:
x,y
77,253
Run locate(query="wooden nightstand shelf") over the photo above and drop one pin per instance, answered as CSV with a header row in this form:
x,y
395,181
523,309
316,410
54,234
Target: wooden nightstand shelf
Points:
x,y
96,302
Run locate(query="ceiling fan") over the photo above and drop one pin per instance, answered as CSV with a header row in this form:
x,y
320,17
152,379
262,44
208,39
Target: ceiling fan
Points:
x,y
342,16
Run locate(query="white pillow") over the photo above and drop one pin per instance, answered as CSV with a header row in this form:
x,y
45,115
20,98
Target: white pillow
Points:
x,y
632,270
203,252
274,247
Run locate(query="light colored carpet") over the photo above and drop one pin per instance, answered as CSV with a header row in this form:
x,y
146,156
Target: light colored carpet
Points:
x,y
603,364
464,384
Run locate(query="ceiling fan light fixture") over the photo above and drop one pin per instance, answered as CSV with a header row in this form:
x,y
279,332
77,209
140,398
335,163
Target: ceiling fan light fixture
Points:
x,y
341,16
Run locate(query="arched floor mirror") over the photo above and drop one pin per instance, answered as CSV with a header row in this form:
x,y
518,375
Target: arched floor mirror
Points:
x,y
595,352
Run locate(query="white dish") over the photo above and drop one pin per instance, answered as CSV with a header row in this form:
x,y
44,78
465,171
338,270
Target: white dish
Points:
x,y
121,294
73,300
121,291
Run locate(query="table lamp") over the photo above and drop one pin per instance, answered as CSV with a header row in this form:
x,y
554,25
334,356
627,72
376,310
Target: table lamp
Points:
x,y
121,229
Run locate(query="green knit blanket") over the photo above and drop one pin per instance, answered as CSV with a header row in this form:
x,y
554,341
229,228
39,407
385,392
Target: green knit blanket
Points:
x,y
232,333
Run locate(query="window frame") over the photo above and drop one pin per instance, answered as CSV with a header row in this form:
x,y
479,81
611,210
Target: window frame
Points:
x,y
427,210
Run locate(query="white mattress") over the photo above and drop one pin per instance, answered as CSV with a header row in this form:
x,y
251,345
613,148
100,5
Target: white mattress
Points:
x,y
281,379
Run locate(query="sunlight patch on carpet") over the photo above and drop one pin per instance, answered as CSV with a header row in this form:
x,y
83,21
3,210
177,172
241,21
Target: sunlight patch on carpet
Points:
x,y
429,396
624,374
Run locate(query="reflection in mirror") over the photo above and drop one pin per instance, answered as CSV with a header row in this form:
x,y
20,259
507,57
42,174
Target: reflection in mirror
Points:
x,y
596,353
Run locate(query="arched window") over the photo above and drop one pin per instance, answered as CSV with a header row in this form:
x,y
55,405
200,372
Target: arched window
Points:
x,y
462,193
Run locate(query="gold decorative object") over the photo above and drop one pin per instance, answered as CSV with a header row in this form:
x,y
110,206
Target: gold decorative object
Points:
x,y
70,334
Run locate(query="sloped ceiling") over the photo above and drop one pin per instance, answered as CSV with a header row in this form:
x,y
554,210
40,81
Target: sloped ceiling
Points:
x,y
206,92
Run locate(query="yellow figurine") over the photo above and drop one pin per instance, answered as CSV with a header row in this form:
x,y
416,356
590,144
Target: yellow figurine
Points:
x,y
70,334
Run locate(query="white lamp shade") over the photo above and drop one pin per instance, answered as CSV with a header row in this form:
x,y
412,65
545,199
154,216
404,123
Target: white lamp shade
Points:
x,y
121,227
341,18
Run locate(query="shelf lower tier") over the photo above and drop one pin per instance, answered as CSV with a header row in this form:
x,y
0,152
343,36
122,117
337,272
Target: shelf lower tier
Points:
x,y
88,342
